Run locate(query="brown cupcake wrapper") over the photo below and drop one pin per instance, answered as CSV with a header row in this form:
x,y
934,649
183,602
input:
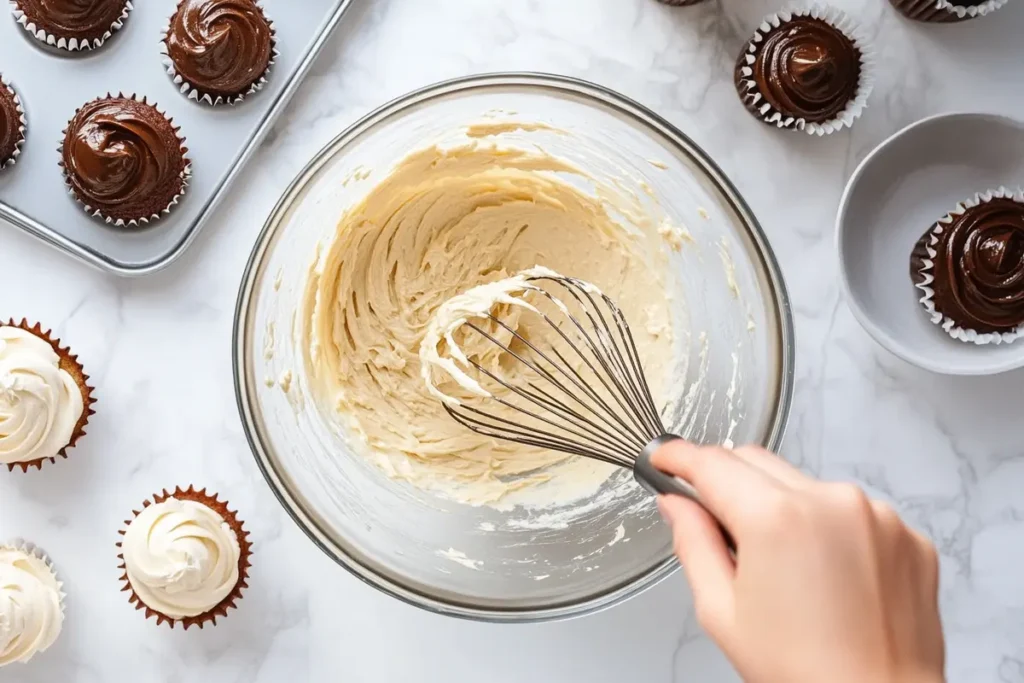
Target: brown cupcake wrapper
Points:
x,y
69,363
244,555
757,105
69,44
23,124
943,11
185,175
195,92
922,265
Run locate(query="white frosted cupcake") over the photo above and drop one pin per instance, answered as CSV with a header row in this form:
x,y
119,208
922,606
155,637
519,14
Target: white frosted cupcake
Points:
x,y
185,558
31,603
45,401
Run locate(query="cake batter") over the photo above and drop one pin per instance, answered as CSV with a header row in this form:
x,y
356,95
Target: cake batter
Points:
x,y
442,222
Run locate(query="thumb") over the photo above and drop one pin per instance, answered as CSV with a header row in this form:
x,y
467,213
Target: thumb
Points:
x,y
705,559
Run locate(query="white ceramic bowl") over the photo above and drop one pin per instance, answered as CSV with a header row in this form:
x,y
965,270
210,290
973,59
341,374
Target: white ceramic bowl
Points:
x,y
525,564
904,186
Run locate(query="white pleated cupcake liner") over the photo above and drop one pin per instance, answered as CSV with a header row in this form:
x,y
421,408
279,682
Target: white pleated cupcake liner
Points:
x,y
944,11
70,44
194,92
185,175
37,553
927,299
840,20
969,12
22,128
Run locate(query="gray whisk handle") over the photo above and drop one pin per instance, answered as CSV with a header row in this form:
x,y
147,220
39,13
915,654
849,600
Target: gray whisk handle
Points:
x,y
658,482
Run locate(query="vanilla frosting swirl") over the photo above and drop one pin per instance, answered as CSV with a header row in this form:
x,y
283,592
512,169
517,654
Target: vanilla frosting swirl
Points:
x,y
181,558
30,606
40,403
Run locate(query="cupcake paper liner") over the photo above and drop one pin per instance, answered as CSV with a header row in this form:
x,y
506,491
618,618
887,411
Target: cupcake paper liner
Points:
x,y
70,364
13,159
70,44
760,107
923,263
244,556
185,175
680,3
34,551
194,92
943,11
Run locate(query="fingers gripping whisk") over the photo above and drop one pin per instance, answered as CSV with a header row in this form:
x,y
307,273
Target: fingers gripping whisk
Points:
x,y
549,361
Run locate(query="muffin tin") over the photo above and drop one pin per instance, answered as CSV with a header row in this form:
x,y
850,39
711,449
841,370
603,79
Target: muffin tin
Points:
x,y
53,83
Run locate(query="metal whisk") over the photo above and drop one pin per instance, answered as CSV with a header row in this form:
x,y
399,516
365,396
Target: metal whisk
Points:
x,y
586,392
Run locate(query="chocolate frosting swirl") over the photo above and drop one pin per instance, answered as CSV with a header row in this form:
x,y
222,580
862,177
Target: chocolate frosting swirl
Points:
x,y
221,47
74,18
806,68
10,124
979,267
123,158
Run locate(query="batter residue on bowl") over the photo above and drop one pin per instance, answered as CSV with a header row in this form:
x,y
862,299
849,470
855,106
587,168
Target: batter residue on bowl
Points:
x,y
445,220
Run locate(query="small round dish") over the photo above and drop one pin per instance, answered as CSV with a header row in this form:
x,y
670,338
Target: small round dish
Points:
x,y
901,188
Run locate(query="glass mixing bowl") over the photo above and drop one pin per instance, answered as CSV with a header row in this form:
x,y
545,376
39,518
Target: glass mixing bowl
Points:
x,y
524,564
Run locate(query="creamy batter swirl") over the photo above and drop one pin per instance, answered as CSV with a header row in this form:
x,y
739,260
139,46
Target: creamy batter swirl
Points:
x,y
442,222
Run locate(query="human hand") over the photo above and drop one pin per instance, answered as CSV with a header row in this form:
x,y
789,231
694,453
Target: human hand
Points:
x,y
826,585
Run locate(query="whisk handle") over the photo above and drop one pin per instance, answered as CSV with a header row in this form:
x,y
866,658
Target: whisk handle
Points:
x,y
658,482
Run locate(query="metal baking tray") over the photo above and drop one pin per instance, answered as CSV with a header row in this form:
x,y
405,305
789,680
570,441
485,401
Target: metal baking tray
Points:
x,y
52,84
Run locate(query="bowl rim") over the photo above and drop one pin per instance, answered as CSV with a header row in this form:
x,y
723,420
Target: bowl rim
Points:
x,y
256,264
884,339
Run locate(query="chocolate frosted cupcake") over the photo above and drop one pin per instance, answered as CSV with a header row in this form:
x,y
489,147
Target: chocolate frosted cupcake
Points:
x,y
219,50
72,24
969,268
45,398
12,124
124,160
185,558
809,70
944,11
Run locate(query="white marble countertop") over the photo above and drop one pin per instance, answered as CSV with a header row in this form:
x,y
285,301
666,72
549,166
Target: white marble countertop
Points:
x,y
946,450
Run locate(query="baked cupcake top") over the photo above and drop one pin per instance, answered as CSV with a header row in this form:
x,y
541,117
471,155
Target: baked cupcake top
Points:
x,y
808,69
181,558
31,615
12,123
40,403
84,20
978,266
123,159
221,47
